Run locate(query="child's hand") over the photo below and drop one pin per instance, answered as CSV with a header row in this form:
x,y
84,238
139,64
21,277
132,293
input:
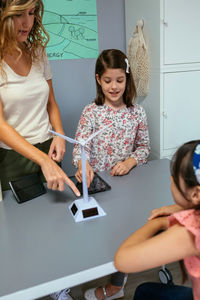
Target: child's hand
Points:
x,y
123,167
119,169
164,211
89,173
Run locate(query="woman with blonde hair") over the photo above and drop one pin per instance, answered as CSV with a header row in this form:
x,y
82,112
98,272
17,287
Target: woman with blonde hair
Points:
x,y
28,109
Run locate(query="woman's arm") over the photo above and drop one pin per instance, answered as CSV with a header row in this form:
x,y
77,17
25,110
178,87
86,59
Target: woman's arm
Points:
x,y
144,250
53,110
57,148
54,175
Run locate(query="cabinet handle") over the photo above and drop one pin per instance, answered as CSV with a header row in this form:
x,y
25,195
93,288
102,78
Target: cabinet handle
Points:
x,y
164,115
165,23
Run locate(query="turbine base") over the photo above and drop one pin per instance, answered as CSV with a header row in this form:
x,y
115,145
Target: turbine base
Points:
x,y
83,211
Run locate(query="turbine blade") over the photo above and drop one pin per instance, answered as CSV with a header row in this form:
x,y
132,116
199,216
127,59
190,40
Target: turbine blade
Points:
x,y
97,132
65,137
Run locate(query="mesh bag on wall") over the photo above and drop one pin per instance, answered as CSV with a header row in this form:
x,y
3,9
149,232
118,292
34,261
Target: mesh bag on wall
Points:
x,y
139,59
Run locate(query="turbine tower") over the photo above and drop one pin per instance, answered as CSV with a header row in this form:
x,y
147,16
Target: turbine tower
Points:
x,y
86,207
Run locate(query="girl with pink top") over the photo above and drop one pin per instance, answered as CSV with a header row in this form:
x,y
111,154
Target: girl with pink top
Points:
x,y
180,238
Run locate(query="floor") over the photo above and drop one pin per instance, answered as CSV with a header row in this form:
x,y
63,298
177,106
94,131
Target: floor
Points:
x,y
133,281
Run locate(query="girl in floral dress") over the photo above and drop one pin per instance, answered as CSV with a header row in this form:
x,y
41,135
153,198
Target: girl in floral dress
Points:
x,y
122,146
181,237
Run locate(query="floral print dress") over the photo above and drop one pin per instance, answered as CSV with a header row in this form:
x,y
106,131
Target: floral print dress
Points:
x,y
128,136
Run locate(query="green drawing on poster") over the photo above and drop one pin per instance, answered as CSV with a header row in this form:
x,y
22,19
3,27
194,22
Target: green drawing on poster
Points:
x,y
72,27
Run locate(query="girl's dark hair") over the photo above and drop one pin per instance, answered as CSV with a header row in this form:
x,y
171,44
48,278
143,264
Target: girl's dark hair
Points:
x,y
182,165
114,59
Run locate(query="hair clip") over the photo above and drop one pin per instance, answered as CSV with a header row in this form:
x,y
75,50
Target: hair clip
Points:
x,y
196,162
127,65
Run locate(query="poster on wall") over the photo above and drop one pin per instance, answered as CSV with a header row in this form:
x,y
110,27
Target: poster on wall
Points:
x,y
72,27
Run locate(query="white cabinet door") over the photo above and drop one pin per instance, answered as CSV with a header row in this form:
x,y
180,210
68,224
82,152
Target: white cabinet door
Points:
x,y
181,31
181,114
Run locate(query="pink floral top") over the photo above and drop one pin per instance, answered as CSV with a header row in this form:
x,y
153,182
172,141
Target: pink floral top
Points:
x,y
127,137
191,220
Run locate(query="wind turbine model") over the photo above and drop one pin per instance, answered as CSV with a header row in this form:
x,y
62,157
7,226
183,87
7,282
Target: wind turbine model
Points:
x,y
86,207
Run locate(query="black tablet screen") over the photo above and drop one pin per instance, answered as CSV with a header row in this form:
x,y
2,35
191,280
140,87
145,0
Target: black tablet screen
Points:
x,y
27,187
97,185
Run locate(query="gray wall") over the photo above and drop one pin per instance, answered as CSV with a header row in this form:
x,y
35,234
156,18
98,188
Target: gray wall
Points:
x,y
73,80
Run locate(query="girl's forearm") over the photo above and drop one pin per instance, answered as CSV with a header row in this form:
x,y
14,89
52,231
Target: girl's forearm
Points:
x,y
146,231
130,255
79,164
147,252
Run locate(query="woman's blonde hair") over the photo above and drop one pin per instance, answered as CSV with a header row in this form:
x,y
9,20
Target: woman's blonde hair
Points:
x,y
38,37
